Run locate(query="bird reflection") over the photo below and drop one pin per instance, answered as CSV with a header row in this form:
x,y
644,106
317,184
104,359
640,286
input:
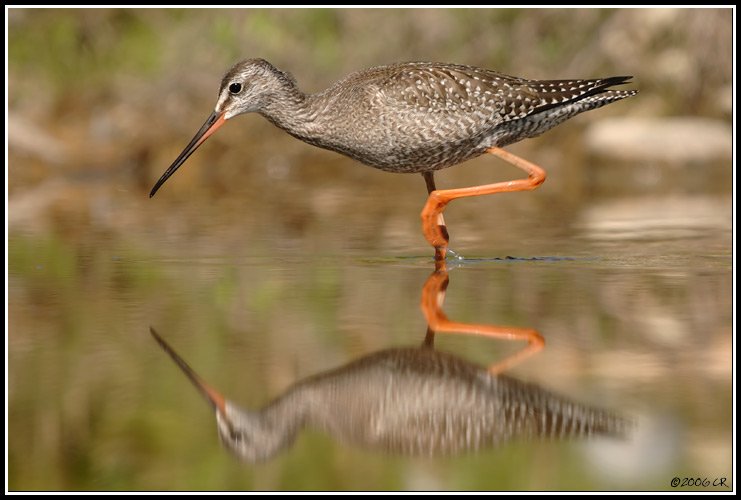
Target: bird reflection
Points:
x,y
411,401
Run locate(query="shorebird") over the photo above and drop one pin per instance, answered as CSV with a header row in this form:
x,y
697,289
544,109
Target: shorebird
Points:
x,y
415,117
408,401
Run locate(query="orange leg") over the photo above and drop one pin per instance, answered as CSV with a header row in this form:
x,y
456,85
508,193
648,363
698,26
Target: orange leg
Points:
x,y
433,296
442,228
433,225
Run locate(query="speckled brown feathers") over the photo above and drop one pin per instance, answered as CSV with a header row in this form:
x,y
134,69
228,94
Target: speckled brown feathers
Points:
x,y
418,117
410,117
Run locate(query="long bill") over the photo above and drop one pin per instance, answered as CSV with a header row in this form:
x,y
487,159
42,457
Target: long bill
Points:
x,y
213,397
212,124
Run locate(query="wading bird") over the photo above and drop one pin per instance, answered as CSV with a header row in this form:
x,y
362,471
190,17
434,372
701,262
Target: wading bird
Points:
x,y
411,118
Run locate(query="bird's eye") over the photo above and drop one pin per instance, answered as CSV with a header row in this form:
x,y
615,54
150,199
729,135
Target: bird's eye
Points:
x,y
235,88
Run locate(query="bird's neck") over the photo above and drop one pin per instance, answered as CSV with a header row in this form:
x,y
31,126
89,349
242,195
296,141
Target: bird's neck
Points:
x,y
282,419
292,110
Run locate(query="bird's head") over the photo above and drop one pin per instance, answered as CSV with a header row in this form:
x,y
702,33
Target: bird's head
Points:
x,y
247,434
249,86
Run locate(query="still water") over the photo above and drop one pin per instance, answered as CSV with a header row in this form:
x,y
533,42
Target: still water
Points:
x,y
632,297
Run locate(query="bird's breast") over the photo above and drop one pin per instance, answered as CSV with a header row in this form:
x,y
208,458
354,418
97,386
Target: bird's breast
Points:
x,y
404,140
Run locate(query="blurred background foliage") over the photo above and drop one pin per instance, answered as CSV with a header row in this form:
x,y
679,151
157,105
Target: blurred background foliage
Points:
x,y
122,89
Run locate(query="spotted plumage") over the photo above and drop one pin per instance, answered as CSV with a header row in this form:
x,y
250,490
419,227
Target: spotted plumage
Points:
x,y
407,401
417,117
410,117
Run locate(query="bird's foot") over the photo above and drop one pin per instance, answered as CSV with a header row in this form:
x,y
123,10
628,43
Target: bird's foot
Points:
x,y
440,253
433,224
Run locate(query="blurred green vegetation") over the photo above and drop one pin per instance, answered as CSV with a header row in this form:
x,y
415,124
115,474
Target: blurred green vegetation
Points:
x,y
684,53
82,48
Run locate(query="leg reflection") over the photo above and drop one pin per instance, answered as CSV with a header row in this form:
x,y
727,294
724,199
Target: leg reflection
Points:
x,y
433,297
